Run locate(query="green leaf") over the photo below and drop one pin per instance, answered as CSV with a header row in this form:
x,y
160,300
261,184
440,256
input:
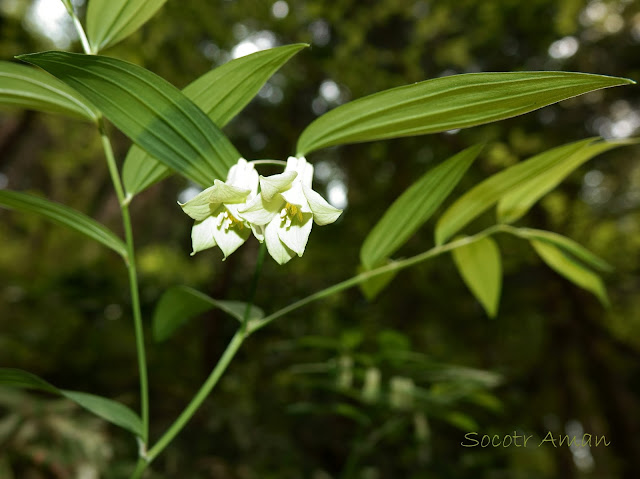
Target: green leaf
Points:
x,y
414,207
480,266
374,286
519,200
480,198
63,215
350,412
107,409
27,87
440,104
221,94
470,378
341,409
181,303
109,21
460,420
150,111
571,269
567,245
17,378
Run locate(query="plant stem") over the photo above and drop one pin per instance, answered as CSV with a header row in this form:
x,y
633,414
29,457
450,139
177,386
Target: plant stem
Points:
x,y
133,283
198,399
362,277
269,162
141,466
78,26
254,286
129,260
218,370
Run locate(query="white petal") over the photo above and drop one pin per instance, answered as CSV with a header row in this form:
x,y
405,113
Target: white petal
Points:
x,y
323,212
230,239
252,182
275,247
295,196
236,171
302,167
295,237
202,234
200,206
234,207
244,175
258,232
270,186
224,193
260,212
292,164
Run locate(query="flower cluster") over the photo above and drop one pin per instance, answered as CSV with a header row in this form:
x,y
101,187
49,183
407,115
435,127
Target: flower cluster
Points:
x,y
280,214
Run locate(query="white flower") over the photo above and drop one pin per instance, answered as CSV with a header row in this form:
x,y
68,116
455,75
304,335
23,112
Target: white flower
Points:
x,y
285,209
216,210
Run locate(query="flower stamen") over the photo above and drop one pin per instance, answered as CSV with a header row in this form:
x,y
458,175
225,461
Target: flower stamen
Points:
x,y
227,221
290,212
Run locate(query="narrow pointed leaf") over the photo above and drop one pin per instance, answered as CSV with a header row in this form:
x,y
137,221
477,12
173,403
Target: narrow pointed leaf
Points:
x,y
414,207
109,21
63,215
480,266
109,410
149,110
221,94
17,378
571,269
440,104
181,303
517,202
567,245
22,86
480,198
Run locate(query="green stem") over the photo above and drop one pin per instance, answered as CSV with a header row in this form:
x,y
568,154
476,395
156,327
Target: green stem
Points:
x,y
362,277
141,466
129,260
216,374
269,162
78,26
254,286
133,282
199,398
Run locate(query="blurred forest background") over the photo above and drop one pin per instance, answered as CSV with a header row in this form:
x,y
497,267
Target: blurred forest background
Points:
x,y
344,388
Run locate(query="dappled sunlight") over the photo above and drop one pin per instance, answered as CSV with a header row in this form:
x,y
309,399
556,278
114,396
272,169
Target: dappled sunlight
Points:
x,y
188,193
320,32
331,175
49,19
337,194
581,454
564,48
623,121
280,9
595,190
330,94
252,43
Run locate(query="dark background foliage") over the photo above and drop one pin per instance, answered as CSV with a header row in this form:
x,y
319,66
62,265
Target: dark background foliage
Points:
x,y
290,404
